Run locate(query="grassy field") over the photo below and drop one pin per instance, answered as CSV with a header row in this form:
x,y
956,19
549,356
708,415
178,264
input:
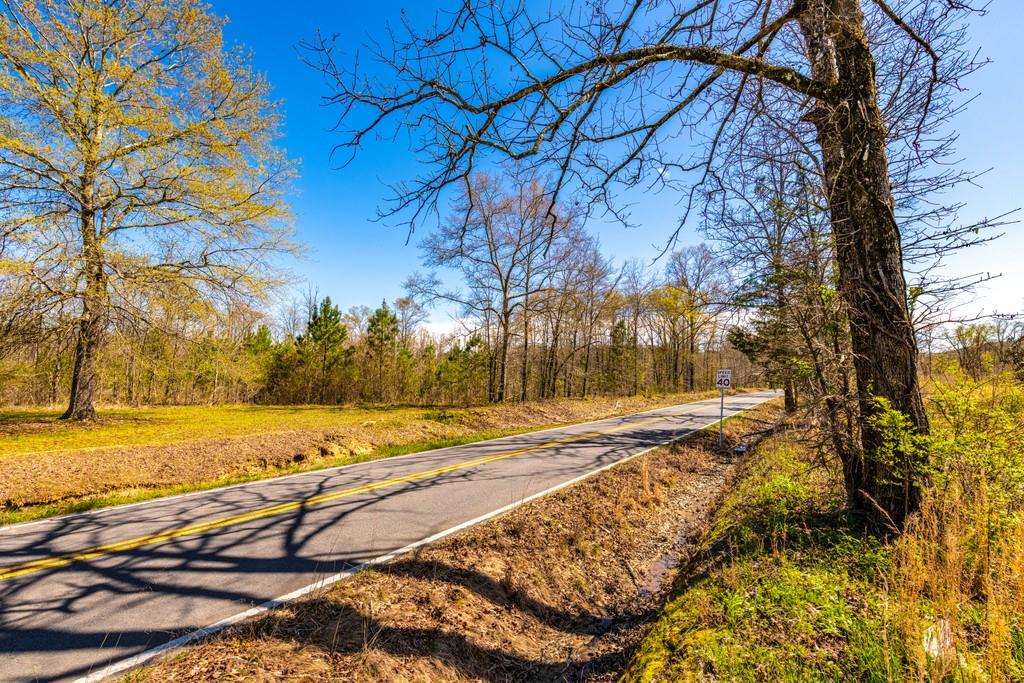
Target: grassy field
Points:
x,y
31,430
48,467
789,586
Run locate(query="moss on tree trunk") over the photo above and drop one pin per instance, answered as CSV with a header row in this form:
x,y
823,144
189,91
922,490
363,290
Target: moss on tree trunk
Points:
x,y
851,133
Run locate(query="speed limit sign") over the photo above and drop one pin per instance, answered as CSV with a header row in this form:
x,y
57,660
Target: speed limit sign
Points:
x,y
723,381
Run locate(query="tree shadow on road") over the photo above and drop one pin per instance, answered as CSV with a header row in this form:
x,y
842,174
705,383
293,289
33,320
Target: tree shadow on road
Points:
x,y
73,613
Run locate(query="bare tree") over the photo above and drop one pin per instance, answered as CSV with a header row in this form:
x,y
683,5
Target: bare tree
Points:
x,y
575,311
602,96
636,287
410,316
500,242
698,278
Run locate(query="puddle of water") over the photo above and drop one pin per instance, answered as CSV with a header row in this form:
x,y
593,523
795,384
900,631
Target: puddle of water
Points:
x,y
659,569
663,566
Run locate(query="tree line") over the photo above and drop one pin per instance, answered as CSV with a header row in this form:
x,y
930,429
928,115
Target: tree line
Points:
x,y
537,315
141,220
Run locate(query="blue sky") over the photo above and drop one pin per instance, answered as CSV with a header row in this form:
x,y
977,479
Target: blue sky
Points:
x,y
357,261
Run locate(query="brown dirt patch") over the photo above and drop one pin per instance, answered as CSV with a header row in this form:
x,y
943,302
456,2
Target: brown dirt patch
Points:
x,y
560,589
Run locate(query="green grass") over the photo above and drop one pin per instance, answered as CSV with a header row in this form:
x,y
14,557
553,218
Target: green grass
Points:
x,y
789,592
790,587
33,430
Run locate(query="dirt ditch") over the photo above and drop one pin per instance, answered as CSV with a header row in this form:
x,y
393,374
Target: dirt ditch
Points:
x,y
562,588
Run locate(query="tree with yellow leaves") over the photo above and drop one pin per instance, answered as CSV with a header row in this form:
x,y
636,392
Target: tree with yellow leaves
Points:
x,y
138,161
688,306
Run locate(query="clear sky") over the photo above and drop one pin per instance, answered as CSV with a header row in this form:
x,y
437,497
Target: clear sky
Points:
x,y
357,261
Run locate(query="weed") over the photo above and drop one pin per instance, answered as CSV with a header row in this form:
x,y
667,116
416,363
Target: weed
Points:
x,y
789,586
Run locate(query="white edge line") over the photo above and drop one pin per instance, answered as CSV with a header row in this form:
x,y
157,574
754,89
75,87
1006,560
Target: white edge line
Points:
x,y
199,634
160,499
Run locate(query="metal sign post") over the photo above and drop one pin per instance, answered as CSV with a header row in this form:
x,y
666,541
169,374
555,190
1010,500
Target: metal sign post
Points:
x,y
723,380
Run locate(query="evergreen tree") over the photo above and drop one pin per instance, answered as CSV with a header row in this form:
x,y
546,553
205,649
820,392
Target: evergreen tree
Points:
x,y
382,335
325,338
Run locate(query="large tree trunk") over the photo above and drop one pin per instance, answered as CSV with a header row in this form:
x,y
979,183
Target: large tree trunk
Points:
x,y
852,134
90,328
83,377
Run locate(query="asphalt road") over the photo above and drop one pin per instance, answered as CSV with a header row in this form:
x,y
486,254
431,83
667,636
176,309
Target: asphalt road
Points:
x,y
82,593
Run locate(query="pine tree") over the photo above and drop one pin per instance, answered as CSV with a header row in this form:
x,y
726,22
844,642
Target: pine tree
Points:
x,y
325,336
382,335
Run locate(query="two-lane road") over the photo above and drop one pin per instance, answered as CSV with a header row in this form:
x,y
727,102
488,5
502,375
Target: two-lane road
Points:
x,y
87,594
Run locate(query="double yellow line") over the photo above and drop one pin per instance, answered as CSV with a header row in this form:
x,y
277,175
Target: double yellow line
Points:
x,y
282,508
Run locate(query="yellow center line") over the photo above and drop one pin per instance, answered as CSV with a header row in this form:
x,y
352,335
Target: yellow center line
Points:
x,y
281,508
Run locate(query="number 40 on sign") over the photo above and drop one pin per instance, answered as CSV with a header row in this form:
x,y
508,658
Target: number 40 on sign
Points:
x,y
723,381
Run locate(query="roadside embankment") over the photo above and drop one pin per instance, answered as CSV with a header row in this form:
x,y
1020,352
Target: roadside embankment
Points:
x,y
789,585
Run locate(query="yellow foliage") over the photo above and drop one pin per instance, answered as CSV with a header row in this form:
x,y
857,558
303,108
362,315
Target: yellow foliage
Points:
x,y
136,151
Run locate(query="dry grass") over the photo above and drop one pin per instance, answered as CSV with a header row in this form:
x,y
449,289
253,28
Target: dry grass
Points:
x,y
49,467
555,590
793,587
960,596
959,577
